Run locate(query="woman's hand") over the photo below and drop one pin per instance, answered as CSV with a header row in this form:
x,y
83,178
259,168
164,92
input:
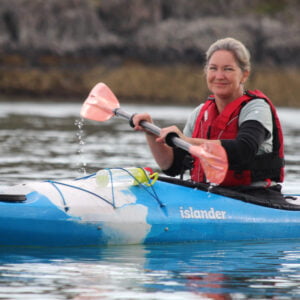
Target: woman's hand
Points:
x,y
165,131
161,139
137,118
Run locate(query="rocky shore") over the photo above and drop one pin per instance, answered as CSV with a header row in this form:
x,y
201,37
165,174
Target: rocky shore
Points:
x,y
143,49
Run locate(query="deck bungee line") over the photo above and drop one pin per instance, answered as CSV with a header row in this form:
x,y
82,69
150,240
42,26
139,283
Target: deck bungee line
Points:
x,y
112,203
56,183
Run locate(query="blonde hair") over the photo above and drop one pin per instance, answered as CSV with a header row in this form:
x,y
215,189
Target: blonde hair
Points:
x,y
237,48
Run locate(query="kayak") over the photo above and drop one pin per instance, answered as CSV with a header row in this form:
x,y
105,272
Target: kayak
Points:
x,y
81,212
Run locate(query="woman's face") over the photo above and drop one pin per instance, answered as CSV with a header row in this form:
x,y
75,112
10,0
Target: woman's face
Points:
x,y
224,77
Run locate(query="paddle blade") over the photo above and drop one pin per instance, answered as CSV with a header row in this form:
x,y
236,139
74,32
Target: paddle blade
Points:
x,y
100,103
214,162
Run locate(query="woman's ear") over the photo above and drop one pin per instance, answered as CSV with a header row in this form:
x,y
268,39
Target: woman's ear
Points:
x,y
245,76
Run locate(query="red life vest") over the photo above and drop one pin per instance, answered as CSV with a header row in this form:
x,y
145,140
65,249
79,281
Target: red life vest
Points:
x,y
212,125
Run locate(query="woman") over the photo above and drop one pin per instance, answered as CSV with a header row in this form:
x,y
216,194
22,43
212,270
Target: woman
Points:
x,y
244,122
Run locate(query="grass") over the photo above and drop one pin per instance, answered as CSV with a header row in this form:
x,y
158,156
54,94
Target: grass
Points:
x,y
133,81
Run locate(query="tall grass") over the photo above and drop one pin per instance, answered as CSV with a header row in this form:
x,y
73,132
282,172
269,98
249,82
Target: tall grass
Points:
x,y
282,85
137,82
184,84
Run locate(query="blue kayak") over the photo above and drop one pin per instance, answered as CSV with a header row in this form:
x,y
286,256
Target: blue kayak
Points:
x,y
81,213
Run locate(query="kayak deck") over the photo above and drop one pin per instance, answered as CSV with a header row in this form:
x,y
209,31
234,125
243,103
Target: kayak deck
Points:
x,y
80,213
251,195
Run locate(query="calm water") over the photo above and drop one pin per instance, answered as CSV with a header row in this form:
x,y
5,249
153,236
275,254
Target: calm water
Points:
x,y
47,141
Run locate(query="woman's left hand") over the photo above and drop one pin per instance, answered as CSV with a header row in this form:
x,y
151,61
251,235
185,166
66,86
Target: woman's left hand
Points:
x,y
165,131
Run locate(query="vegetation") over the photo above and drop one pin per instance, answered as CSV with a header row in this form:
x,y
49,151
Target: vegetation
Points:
x,y
134,81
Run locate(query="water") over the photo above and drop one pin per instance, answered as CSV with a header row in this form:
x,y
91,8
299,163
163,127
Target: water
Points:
x,y
267,270
43,141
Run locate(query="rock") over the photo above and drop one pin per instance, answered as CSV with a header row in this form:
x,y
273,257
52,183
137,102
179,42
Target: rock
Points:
x,y
53,26
155,31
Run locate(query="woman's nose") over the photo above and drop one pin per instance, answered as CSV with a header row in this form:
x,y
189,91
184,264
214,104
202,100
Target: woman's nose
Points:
x,y
219,73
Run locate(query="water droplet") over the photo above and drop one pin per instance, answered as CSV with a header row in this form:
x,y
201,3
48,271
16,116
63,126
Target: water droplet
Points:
x,y
79,123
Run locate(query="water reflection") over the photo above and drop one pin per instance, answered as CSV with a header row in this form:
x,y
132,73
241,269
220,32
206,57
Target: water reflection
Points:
x,y
183,271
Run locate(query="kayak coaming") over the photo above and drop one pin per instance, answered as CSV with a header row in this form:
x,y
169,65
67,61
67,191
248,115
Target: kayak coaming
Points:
x,y
163,213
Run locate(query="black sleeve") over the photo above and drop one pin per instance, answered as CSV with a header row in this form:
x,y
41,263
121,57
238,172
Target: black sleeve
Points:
x,y
182,160
242,150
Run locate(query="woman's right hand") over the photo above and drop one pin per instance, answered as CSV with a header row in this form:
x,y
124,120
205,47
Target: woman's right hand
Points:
x,y
137,118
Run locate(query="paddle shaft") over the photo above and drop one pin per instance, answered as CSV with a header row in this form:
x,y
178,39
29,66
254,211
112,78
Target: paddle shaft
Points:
x,y
153,129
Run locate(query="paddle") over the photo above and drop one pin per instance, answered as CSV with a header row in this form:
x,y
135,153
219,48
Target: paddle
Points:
x,y
101,105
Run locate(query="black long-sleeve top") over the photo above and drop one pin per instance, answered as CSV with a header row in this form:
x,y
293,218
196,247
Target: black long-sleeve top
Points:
x,y
240,151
